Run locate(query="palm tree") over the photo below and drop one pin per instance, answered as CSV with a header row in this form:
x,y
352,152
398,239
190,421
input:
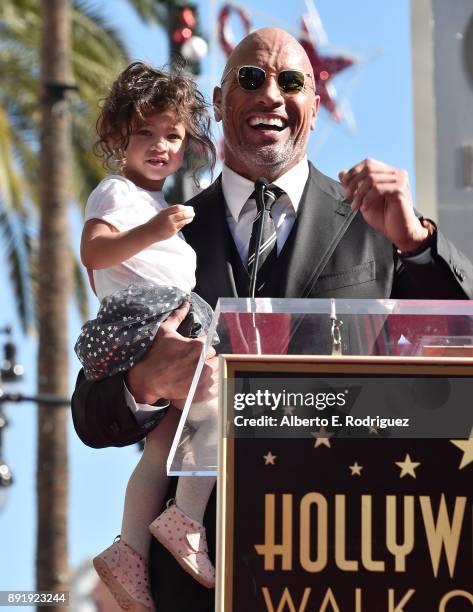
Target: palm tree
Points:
x,y
54,280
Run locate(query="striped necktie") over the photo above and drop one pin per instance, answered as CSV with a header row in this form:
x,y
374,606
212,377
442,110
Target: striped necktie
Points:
x,y
268,249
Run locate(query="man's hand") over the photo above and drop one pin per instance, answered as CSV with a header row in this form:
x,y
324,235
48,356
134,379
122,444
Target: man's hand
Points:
x,y
383,196
167,369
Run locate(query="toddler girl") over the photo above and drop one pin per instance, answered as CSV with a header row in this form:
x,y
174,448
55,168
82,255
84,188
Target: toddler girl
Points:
x,y
142,269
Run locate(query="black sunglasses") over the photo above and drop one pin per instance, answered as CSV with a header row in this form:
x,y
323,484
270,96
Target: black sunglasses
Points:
x,y
251,78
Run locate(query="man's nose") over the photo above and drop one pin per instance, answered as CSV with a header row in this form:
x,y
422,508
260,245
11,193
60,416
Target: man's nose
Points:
x,y
269,92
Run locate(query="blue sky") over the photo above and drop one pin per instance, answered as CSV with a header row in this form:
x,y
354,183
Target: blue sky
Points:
x,y
379,93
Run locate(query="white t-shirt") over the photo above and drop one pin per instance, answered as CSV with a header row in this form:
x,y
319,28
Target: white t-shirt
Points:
x,y
122,204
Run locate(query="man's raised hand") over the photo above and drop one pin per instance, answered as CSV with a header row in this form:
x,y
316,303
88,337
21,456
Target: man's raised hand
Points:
x,y
383,196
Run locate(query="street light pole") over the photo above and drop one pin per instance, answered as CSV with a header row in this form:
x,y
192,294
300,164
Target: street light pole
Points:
x,y
11,371
6,477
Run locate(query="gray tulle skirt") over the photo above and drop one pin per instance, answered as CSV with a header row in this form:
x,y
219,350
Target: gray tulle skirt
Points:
x,y
127,322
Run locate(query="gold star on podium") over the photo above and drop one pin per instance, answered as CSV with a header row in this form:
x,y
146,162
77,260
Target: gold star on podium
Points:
x,y
467,447
322,437
355,469
408,467
269,458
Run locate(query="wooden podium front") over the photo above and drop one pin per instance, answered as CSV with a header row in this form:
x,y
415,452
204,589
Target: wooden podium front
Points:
x,y
330,518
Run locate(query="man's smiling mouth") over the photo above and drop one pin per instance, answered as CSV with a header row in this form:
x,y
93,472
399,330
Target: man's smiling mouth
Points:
x,y
263,123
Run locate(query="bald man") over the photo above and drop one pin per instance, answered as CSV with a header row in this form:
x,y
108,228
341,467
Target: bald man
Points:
x,y
356,239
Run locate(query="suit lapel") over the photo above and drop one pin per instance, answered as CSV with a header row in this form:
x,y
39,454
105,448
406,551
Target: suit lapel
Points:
x,y
209,236
323,218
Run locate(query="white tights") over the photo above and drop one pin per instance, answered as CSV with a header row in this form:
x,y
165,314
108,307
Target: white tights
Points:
x,y
147,487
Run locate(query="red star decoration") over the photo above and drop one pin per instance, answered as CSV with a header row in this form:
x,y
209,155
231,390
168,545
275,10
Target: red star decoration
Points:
x,y
325,67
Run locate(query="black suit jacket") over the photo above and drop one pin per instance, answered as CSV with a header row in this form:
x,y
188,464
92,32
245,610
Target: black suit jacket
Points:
x,y
331,252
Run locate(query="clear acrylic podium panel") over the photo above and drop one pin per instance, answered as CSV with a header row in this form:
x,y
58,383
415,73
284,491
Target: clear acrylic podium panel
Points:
x,y
263,326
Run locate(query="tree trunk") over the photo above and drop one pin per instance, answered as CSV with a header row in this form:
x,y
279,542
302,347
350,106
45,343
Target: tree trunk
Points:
x,y
52,570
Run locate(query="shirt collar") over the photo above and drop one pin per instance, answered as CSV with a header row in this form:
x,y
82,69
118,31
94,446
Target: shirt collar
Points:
x,y
237,189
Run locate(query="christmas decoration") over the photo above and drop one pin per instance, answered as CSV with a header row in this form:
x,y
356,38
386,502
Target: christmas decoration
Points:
x,y
324,67
225,35
194,49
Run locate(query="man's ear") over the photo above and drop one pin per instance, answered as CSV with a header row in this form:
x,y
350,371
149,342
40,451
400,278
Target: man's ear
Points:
x,y
315,111
217,103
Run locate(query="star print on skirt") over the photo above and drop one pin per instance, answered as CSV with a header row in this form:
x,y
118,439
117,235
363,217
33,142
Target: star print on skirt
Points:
x,y
127,322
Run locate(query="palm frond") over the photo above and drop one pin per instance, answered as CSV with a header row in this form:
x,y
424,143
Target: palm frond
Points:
x,y
26,158
89,26
11,192
16,243
153,11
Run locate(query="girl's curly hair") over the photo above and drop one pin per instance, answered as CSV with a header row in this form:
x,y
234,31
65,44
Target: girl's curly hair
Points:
x,y
141,90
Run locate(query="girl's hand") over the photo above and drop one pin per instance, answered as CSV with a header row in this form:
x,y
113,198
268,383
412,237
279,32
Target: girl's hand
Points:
x,y
169,221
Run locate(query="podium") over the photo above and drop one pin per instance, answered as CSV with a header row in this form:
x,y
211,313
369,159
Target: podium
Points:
x,y
343,444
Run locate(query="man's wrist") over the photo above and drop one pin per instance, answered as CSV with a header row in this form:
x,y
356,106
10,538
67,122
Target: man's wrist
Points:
x,y
419,246
141,394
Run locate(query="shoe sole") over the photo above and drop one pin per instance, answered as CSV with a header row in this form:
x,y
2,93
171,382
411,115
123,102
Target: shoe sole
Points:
x,y
187,567
123,599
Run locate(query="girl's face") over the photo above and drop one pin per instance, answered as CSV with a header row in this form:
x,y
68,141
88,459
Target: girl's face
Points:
x,y
156,150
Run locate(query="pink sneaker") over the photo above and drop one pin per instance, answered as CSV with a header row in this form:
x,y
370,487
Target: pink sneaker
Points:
x,y
186,541
125,574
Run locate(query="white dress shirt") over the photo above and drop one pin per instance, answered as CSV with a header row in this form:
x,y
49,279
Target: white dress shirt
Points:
x,y
240,212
